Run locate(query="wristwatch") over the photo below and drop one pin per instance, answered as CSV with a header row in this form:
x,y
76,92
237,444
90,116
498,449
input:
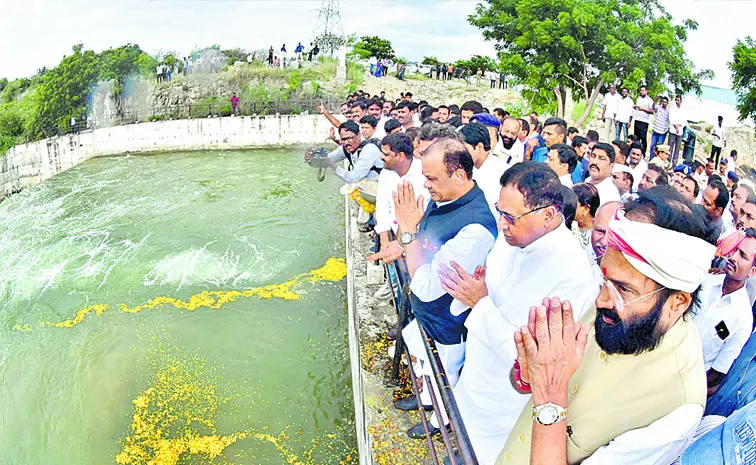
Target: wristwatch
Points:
x,y
406,238
549,414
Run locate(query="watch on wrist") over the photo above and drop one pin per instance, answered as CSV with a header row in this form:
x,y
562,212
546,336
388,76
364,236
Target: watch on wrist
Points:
x,y
406,238
549,413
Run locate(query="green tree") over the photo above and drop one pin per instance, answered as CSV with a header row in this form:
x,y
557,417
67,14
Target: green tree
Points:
x,y
475,63
236,54
329,43
554,45
369,46
433,61
743,67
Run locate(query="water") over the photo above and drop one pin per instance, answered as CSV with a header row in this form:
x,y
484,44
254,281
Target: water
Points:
x,y
266,379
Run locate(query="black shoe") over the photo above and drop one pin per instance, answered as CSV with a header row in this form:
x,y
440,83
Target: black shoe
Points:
x,y
418,432
410,403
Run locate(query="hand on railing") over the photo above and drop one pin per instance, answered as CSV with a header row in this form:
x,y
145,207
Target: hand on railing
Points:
x,y
388,253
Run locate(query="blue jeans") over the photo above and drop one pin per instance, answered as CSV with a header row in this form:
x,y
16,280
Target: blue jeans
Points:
x,y
620,127
732,442
656,139
394,280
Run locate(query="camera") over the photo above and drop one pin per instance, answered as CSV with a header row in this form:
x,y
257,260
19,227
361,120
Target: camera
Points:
x,y
317,154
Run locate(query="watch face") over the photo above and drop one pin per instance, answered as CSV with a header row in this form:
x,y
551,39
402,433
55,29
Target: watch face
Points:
x,y
548,415
406,238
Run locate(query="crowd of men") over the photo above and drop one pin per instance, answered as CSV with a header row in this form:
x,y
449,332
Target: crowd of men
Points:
x,y
590,302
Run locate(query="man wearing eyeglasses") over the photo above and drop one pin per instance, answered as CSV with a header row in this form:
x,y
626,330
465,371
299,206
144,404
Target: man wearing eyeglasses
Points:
x,y
534,255
457,226
600,166
364,158
633,389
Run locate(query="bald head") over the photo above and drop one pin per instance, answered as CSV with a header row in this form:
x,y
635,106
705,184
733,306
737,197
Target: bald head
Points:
x,y
509,130
600,226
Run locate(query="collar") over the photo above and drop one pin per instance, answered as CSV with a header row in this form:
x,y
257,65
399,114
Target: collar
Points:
x,y
444,207
550,240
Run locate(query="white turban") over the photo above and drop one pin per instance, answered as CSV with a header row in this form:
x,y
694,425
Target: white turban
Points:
x,y
675,260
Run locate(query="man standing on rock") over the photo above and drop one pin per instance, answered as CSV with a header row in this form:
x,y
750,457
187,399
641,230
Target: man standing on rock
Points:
x,y
609,111
644,108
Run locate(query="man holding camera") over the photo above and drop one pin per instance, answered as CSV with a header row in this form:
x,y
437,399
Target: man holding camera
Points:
x,y
364,158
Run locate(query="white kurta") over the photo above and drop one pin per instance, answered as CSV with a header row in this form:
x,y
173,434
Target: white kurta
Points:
x,y
488,177
513,155
388,180
608,192
517,278
638,173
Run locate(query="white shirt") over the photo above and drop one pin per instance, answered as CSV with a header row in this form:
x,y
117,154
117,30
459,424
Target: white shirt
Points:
x,y
385,213
677,115
513,155
608,192
638,173
566,180
517,278
733,312
720,136
488,177
625,109
644,102
611,105
468,248
380,129
659,443
369,156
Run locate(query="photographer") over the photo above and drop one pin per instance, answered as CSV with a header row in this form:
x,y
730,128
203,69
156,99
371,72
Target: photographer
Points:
x,y
364,158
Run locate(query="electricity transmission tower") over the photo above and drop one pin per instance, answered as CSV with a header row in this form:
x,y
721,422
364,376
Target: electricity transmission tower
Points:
x,y
328,28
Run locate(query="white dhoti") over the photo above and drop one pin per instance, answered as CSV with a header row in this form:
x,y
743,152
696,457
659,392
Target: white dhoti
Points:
x,y
452,359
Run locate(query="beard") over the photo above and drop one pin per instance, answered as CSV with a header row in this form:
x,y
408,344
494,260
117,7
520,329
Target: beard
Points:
x,y
628,338
508,142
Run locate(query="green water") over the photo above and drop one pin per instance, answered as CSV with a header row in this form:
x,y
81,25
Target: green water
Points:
x,y
127,229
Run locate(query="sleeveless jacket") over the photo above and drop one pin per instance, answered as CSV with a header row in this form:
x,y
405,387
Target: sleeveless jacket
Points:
x,y
439,225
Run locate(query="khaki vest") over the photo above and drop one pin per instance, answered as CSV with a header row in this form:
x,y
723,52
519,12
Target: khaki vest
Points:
x,y
610,395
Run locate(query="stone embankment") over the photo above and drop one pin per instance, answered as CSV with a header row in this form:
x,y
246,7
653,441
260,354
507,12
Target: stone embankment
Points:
x,y
27,165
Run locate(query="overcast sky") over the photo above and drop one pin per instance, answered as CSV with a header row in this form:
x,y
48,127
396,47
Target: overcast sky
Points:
x,y
36,33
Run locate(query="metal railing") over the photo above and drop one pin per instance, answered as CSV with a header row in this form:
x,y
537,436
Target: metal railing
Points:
x,y
458,441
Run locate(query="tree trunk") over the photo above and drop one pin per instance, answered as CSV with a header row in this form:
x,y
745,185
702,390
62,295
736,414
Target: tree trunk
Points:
x,y
589,104
569,105
560,102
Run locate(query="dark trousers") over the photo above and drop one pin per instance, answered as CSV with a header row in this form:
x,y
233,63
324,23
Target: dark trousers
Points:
x,y
716,153
640,129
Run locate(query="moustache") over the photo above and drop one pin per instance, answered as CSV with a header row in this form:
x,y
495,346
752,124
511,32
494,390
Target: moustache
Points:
x,y
610,314
593,166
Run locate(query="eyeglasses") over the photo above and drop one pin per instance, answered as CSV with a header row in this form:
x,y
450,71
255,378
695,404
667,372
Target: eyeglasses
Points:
x,y
619,302
511,219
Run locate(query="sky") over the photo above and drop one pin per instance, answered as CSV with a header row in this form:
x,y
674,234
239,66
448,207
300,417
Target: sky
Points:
x,y
37,33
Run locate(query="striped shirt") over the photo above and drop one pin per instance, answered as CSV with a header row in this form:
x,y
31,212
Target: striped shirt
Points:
x,y
661,120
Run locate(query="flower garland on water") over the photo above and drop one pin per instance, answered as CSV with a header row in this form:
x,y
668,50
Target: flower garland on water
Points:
x,y
334,270
175,418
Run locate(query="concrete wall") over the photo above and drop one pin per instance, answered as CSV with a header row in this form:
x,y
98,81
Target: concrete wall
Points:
x,y
29,164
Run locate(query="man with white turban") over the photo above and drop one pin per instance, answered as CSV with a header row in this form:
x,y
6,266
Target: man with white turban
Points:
x,y
633,388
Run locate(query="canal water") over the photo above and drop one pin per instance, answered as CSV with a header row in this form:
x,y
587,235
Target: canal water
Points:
x,y
176,309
